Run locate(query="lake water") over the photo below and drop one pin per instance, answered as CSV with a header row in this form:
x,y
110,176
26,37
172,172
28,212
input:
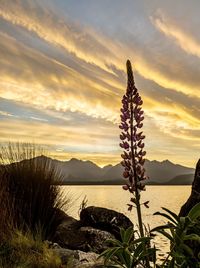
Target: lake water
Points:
x,y
113,197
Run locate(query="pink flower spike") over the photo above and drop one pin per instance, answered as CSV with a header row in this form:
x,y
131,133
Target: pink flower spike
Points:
x,y
132,116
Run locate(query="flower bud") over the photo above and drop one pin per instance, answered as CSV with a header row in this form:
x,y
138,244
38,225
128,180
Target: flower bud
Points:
x,y
126,174
125,187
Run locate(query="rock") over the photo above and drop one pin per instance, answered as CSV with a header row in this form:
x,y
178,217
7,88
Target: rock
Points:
x,y
195,193
192,201
96,238
67,255
61,215
79,259
69,236
104,219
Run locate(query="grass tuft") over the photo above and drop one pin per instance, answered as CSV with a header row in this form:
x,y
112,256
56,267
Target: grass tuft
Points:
x,y
25,250
29,197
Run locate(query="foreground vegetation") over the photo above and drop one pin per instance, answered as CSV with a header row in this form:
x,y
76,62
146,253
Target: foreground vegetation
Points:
x,y
27,250
30,207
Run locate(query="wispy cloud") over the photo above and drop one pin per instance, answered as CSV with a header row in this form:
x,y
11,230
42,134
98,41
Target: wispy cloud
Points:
x,y
182,38
4,113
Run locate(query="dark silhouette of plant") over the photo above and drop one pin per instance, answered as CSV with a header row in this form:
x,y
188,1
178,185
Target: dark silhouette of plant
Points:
x,y
34,200
132,141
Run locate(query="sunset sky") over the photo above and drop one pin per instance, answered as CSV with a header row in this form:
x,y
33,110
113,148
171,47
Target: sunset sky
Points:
x,y
62,75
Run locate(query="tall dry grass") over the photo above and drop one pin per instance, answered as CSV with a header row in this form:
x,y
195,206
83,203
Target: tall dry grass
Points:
x,y
29,197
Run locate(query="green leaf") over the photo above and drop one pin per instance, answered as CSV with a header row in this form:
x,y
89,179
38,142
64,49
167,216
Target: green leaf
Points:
x,y
166,235
122,232
128,258
161,227
114,242
194,212
194,237
138,251
176,217
143,240
111,253
188,249
128,235
166,216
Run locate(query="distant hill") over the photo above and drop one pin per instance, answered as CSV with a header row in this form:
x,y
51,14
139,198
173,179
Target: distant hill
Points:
x,y
185,179
77,171
162,172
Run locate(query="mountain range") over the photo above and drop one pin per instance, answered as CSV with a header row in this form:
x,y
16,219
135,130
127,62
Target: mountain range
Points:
x,y
77,171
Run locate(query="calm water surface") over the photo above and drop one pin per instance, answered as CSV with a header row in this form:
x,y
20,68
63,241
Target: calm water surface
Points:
x,y
113,197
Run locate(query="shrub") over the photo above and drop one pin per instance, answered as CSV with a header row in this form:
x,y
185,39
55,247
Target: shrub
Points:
x,y
29,192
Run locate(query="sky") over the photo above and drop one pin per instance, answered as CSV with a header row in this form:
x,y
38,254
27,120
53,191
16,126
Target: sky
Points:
x,y
63,74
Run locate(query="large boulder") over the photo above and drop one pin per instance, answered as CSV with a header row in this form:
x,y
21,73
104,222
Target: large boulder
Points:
x,y
195,193
71,235
104,219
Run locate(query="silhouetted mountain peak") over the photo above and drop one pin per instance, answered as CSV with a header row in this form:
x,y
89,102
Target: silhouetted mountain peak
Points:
x,y
77,171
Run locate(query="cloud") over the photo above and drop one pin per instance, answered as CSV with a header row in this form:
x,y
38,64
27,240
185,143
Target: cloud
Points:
x,y
3,113
88,45
182,38
62,72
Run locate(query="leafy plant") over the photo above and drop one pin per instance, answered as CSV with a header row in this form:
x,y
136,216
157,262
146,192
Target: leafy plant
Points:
x,y
128,251
180,231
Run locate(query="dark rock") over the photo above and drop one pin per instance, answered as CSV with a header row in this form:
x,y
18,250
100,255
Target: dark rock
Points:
x,y
61,215
195,193
190,203
69,236
96,238
104,219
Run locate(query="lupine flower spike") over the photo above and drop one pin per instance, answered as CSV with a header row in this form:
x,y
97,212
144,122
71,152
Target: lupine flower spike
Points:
x,y
132,138
132,143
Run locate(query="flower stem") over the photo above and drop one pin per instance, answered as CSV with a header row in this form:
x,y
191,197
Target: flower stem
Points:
x,y
137,193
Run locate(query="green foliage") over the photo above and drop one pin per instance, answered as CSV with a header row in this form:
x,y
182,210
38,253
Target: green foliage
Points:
x,y
129,251
26,250
181,232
